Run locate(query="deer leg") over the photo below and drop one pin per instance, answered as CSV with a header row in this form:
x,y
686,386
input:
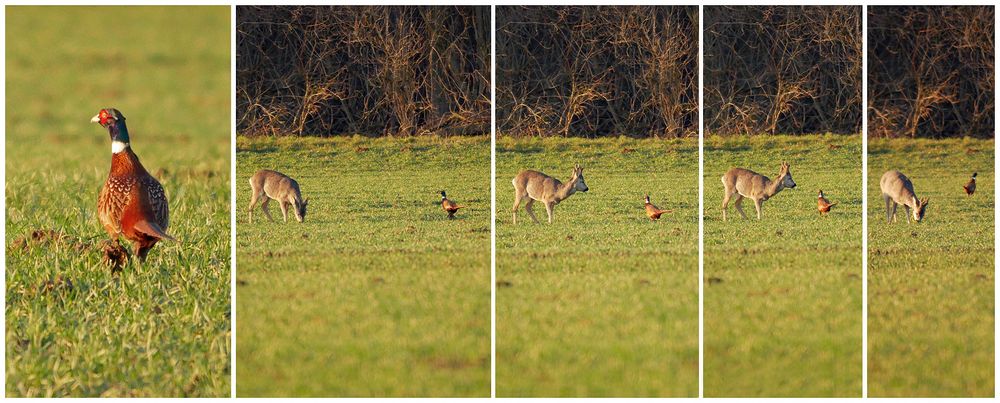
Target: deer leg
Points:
x,y
284,210
531,213
888,209
548,209
758,204
738,203
517,204
254,198
266,209
725,203
907,213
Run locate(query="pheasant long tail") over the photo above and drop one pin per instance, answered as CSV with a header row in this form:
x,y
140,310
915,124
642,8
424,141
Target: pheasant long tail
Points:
x,y
152,229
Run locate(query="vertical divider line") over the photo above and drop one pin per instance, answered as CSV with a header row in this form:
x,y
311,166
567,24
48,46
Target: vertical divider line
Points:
x,y
996,212
701,202
493,201
3,184
864,201
232,201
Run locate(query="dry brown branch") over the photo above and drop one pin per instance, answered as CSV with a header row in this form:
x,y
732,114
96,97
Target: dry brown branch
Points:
x,y
930,71
782,69
369,70
597,71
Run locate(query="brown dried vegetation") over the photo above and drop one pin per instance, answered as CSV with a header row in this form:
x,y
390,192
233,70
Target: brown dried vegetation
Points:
x,y
782,69
369,70
597,71
930,71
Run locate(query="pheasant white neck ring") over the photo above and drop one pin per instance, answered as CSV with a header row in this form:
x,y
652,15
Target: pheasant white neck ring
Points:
x,y
118,146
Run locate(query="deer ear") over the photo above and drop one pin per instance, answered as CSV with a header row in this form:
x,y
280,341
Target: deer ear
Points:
x,y
925,201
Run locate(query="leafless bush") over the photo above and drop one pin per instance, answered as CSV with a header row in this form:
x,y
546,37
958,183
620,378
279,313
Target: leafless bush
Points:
x,y
372,70
597,71
782,69
930,71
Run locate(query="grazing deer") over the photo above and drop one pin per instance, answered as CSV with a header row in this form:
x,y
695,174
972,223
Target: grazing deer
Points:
x,y
970,187
742,183
897,189
449,206
822,204
267,185
530,186
654,212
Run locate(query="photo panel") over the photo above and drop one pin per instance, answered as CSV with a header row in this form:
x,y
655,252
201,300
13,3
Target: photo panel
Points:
x,y
596,201
118,235
931,128
783,201
363,199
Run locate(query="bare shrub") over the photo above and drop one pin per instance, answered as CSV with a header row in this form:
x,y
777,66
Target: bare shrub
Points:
x,y
782,69
930,71
370,70
597,71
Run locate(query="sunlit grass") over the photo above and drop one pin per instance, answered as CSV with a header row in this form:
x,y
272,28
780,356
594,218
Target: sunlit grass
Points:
x,y
377,293
603,302
74,329
783,295
931,285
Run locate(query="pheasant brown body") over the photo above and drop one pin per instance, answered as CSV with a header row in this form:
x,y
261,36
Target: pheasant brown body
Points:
x,y
970,187
132,204
449,206
823,205
654,212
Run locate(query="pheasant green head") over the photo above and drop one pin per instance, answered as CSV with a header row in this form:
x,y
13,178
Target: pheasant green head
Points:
x,y
114,121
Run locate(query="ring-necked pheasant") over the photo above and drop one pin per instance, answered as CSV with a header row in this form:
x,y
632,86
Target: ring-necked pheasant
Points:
x,y
449,206
970,187
654,212
822,204
132,203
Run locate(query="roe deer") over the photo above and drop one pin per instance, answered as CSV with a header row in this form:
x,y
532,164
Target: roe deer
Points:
x,y
530,186
822,204
654,212
897,189
267,184
742,183
970,187
449,206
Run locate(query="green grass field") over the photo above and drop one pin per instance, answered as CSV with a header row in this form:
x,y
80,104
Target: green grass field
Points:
x,y
783,296
931,285
603,302
73,328
377,293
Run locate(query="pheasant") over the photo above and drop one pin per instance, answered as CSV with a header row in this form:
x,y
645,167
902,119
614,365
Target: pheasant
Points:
x,y
449,206
970,187
823,205
654,212
132,203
